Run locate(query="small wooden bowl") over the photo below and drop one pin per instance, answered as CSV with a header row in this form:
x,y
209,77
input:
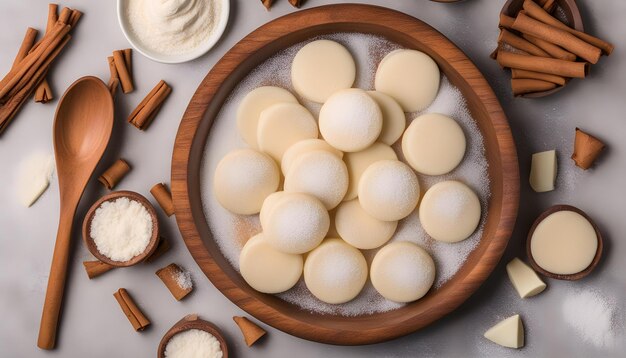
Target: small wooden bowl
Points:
x,y
571,277
573,19
91,245
192,322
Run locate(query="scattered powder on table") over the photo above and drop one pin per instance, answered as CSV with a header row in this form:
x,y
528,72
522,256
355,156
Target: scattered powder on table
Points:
x,y
121,229
183,279
193,343
592,316
367,51
173,27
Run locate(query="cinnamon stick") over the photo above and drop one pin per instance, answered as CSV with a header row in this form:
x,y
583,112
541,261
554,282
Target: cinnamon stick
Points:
x,y
542,64
163,197
587,148
131,311
147,109
251,332
526,24
74,17
518,74
296,3
122,71
174,279
524,86
96,268
128,60
43,93
554,50
27,44
114,174
506,22
549,5
65,15
538,13
519,43
114,79
162,247
267,4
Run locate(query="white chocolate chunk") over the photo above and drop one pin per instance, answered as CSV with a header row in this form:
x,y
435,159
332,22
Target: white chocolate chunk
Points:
x,y
543,171
507,333
34,178
524,279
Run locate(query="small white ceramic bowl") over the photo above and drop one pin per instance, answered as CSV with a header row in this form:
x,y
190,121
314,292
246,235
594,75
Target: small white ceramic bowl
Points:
x,y
164,58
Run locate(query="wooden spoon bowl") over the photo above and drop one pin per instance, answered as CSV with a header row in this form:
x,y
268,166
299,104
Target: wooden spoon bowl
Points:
x,y
571,277
572,19
91,245
188,322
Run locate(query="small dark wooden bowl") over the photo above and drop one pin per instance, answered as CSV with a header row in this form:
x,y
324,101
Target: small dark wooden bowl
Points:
x,y
91,245
575,276
265,42
192,322
572,14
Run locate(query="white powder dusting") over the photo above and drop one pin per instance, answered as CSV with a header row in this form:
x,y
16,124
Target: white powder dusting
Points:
x,y
231,231
173,27
183,279
33,177
121,229
193,343
592,316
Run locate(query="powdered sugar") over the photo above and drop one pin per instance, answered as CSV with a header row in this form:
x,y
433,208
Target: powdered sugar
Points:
x,y
230,232
592,316
183,279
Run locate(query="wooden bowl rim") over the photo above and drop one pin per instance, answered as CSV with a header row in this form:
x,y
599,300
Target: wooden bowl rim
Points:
x,y
154,239
571,277
342,16
576,19
192,321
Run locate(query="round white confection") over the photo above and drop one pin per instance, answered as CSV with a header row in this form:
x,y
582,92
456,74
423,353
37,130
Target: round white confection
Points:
x,y
350,120
283,125
357,162
266,269
251,106
296,224
360,229
434,144
450,211
243,179
268,205
389,190
402,271
304,146
335,272
321,68
410,77
394,120
321,174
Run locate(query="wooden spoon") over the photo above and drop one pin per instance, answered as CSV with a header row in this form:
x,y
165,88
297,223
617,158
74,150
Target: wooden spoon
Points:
x,y
82,127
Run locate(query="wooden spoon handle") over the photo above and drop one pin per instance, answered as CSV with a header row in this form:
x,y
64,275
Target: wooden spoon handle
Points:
x,y
56,281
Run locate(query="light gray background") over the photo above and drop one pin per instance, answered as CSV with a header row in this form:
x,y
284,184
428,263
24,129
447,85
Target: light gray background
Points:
x,y
92,323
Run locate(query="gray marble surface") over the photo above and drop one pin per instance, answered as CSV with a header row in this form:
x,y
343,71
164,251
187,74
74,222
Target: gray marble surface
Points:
x,y
92,324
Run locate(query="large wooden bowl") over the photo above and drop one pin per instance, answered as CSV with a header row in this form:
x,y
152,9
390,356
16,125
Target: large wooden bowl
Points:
x,y
265,42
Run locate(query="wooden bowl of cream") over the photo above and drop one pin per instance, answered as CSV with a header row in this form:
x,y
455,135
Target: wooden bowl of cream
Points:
x,y
112,197
188,322
564,243
264,43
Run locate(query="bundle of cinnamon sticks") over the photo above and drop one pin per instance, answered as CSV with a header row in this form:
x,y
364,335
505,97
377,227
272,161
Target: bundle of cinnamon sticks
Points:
x,y
32,63
542,52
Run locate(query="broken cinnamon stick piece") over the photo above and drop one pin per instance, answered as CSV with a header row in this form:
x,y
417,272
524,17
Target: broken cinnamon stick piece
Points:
x,y
114,174
163,197
250,331
296,3
267,4
538,13
122,71
519,43
518,73
147,109
130,309
586,149
96,268
162,247
524,86
526,24
177,280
